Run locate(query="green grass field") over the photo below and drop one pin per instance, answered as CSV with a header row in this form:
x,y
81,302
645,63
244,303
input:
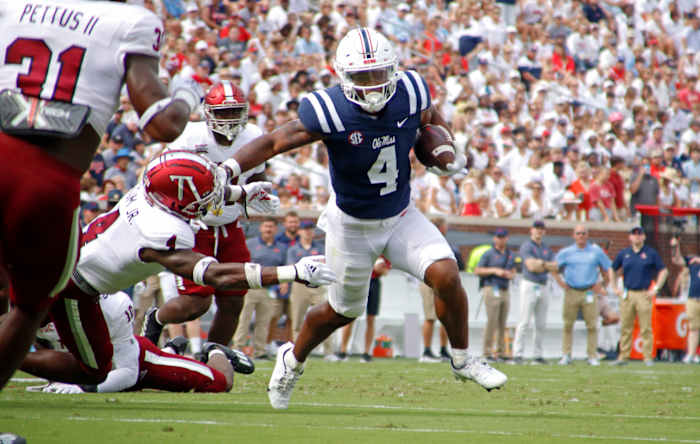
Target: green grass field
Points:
x,y
386,401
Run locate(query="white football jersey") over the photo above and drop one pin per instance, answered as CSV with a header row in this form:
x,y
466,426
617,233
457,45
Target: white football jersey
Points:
x,y
74,51
109,258
198,137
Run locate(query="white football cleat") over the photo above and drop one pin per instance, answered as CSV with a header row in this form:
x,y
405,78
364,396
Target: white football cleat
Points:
x,y
283,378
477,370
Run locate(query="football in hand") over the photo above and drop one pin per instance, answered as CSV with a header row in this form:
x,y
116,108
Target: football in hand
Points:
x,y
434,146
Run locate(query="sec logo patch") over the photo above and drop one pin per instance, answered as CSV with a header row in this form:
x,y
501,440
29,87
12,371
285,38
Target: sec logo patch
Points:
x,y
355,138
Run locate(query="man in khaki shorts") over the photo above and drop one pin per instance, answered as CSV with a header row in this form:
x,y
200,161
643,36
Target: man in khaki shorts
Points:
x,y
692,306
640,265
581,263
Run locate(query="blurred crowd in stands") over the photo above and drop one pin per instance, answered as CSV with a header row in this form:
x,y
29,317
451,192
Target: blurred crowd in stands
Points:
x,y
567,109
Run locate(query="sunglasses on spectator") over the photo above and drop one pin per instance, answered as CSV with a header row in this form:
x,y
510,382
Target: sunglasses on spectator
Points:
x,y
581,233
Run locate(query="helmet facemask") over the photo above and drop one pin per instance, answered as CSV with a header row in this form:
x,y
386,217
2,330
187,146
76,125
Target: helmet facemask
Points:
x,y
371,88
226,119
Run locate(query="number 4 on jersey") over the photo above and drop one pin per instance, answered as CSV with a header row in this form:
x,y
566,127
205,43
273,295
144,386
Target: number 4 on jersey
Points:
x,y
384,170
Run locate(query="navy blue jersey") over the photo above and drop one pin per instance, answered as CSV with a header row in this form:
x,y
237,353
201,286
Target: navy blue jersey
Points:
x,y
368,153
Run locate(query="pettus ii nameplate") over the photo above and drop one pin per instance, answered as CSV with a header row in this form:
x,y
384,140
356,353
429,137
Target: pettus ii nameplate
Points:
x,y
30,116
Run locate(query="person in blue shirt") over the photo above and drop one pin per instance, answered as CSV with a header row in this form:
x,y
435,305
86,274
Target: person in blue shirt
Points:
x,y
639,265
692,305
369,123
496,269
582,263
265,250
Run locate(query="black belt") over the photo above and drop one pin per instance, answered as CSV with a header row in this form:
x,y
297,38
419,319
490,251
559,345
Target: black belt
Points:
x,y
84,285
582,288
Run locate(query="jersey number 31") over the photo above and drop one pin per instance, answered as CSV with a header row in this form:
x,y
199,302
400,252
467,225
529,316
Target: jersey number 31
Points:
x,y
40,55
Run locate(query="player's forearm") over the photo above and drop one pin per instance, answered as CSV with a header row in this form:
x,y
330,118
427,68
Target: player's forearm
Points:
x,y
119,380
235,276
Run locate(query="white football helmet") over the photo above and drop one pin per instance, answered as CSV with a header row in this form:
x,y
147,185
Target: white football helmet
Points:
x,y
368,68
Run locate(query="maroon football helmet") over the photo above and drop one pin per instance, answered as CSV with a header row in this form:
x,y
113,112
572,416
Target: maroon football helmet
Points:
x,y
226,109
183,183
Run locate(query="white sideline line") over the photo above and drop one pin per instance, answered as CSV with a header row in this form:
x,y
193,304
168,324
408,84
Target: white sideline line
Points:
x,y
28,380
431,409
375,429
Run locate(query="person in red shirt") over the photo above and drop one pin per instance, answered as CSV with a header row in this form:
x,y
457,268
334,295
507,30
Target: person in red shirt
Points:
x,y
617,71
618,186
561,60
580,187
602,197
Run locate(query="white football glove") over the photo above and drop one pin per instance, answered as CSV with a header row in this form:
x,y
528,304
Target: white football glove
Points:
x,y
187,89
64,389
259,199
313,271
452,168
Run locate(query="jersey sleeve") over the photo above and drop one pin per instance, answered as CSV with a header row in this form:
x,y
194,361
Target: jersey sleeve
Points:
x,y
617,263
311,115
162,231
417,91
142,35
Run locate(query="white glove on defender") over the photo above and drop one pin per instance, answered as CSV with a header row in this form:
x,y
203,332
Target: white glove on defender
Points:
x,y
187,89
64,389
259,199
313,271
452,168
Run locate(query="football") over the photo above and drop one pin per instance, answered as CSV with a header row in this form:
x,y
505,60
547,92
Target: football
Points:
x,y
434,146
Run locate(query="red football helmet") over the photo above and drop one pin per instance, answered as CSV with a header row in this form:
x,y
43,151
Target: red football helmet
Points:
x,y
183,183
226,109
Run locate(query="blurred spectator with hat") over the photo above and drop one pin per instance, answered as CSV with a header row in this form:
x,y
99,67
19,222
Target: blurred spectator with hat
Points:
x,y
114,144
569,207
536,205
90,211
113,198
496,268
669,180
123,167
640,266
538,262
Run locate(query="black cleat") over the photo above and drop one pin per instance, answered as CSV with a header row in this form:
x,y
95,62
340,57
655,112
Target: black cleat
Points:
x,y
239,361
151,328
178,344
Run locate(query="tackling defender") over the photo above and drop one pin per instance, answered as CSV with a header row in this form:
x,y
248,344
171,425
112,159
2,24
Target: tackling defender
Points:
x,y
138,364
225,130
369,123
62,67
147,231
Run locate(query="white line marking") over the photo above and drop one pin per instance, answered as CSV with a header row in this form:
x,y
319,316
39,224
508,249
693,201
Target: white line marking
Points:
x,y
388,429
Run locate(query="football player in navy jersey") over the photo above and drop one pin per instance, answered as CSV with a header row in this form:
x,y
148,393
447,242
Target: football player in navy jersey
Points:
x,y
369,123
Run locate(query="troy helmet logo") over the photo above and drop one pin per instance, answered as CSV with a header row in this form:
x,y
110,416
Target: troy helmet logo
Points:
x,y
183,183
181,180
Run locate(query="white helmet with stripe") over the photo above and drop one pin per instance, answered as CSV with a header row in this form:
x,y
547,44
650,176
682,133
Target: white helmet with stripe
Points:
x,y
367,66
